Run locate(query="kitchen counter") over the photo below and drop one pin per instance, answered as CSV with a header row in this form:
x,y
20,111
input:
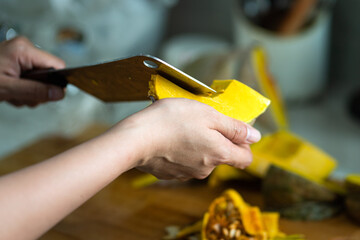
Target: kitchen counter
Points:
x,y
122,212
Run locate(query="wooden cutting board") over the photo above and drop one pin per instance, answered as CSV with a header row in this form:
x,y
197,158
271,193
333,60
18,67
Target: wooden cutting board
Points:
x,y
121,212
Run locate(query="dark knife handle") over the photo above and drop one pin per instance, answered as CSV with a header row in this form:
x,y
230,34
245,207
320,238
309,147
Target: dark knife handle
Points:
x,y
48,76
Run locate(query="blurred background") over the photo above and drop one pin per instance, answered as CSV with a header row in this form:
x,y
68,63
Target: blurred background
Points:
x,y
313,55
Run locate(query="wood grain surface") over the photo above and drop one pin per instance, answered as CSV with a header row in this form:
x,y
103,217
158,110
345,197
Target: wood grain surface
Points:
x,y
122,212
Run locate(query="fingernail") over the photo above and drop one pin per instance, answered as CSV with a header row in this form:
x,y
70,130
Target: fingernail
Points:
x,y
55,93
253,135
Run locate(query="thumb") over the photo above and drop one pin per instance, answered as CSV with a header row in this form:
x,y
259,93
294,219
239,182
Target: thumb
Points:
x,y
236,131
28,90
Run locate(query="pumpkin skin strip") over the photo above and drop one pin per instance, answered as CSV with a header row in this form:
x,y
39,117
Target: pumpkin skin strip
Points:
x,y
252,221
233,98
271,223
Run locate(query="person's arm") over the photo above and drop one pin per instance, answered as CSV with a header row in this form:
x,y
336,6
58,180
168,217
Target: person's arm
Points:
x,y
173,138
18,55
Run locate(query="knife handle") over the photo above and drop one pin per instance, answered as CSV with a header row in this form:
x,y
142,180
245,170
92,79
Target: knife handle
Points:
x,y
48,76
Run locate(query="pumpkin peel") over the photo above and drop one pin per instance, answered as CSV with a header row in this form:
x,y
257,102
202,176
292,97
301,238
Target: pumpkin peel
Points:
x,y
288,151
296,197
233,98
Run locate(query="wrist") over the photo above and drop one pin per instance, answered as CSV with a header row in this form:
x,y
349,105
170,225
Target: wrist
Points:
x,y
125,145
137,139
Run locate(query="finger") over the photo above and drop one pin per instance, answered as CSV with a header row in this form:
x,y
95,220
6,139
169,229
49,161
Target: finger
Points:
x,y
236,131
31,104
28,90
16,103
240,156
42,59
21,103
28,56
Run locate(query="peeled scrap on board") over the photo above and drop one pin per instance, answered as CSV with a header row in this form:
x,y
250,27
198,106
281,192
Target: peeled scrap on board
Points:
x,y
229,217
296,197
233,98
293,153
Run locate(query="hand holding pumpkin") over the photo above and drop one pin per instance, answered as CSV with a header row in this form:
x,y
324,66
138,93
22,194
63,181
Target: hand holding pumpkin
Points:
x,y
182,138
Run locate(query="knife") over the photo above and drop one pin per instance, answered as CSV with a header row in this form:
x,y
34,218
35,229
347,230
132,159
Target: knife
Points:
x,y
124,79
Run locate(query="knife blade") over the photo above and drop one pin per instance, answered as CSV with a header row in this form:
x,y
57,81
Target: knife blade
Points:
x,y
124,79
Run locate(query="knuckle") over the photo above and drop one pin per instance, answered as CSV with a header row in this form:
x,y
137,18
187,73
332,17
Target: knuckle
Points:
x,y
223,155
164,103
212,161
20,44
239,132
16,46
19,41
211,112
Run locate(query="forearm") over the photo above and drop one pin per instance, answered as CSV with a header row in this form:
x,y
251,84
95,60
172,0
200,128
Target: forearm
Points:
x,y
36,198
182,142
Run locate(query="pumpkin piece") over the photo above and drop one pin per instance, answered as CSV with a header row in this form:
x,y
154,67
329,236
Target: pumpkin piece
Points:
x,y
205,222
292,153
224,173
229,217
144,180
223,219
271,223
237,199
296,197
252,220
233,98
189,230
